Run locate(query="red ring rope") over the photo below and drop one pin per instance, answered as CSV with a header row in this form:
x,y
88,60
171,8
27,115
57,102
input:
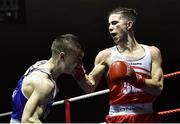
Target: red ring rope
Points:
x,y
172,110
172,74
169,111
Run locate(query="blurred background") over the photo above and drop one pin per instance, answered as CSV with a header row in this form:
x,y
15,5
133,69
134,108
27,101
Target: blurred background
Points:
x,y
28,27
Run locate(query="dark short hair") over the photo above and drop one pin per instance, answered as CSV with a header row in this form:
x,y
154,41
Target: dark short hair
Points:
x,y
67,43
127,12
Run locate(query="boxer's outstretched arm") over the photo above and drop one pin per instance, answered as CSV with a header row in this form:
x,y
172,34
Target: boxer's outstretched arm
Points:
x,y
91,80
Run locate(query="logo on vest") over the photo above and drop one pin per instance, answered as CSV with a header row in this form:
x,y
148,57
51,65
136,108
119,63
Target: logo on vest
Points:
x,y
135,63
130,89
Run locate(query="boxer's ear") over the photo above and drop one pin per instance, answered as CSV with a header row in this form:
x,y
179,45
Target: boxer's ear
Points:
x,y
130,25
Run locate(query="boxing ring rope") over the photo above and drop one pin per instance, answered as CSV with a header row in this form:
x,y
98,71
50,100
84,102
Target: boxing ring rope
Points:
x,y
172,74
169,111
67,101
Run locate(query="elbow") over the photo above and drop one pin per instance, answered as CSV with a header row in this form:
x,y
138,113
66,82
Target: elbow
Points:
x,y
158,86
90,88
158,90
91,85
31,120
89,91
24,120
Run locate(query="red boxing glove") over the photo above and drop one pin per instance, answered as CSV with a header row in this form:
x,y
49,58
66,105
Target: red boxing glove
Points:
x,y
120,72
79,72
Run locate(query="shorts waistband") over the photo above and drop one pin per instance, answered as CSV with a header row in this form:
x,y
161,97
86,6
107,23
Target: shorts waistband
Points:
x,y
123,109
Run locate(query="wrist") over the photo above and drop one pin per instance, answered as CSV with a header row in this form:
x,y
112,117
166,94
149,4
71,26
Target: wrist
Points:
x,y
140,81
79,77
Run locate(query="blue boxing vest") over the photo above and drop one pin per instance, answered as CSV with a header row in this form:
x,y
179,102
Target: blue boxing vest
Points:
x,y
19,99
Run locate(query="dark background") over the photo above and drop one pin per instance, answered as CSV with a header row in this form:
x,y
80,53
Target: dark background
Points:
x,y
28,40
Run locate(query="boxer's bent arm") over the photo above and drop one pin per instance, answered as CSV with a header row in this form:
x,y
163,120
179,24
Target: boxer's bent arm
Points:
x,y
34,106
155,84
91,80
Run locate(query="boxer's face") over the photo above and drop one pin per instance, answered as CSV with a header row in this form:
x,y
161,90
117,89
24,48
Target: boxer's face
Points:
x,y
74,59
117,27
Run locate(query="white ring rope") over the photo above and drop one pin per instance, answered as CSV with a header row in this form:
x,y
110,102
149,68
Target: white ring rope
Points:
x,y
5,114
82,96
71,99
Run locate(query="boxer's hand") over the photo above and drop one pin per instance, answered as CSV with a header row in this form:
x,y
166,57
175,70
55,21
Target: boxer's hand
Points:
x,y
120,72
139,81
79,72
135,79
